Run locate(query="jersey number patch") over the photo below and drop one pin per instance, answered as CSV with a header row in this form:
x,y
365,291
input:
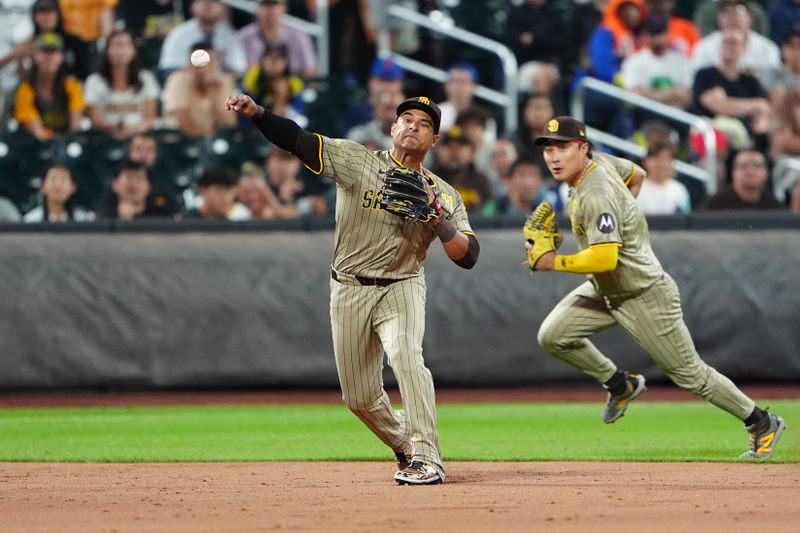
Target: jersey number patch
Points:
x,y
606,223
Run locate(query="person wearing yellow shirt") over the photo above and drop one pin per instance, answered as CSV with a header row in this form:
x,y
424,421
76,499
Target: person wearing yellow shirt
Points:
x,y
49,101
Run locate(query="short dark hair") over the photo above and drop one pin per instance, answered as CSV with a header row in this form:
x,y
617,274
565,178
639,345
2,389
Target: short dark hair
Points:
x,y
130,164
520,161
219,175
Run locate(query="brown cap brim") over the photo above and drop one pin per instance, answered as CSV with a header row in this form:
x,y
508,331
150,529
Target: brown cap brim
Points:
x,y
544,139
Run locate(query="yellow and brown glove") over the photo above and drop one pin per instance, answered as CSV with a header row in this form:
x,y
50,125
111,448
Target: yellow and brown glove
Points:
x,y
541,233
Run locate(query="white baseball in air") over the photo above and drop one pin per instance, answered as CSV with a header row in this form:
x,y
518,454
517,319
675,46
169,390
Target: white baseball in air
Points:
x,y
200,58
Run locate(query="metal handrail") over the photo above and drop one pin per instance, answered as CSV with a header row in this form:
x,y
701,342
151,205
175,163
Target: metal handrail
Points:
x,y
506,99
706,173
319,30
782,178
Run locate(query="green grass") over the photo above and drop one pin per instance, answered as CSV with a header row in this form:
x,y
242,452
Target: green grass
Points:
x,y
657,431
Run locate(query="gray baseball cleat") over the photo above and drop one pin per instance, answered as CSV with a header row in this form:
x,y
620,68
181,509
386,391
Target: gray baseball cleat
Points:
x,y
418,473
617,404
764,440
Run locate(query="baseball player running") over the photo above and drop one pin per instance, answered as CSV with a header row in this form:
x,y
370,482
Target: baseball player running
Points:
x,y
626,286
377,277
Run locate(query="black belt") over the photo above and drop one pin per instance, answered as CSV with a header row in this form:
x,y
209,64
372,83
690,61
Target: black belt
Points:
x,y
369,282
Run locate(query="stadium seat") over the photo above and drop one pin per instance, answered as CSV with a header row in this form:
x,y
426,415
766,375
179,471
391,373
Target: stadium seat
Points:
x,y
93,157
181,158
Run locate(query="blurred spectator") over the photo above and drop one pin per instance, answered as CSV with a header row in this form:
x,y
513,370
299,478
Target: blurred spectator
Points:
x,y
785,138
150,19
617,37
759,53
217,188
191,97
121,97
49,101
57,199
504,153
378,131
258,197
725,89
88,19
706,16
586,17
539,33
537,112
143,149
269,82
682,33
208,24
656,131
283,172
784,18
659,72
128,196
787,76
455,164
785,142
524,189
661,193
46,18
473,122
352,39
268,30
749,175
462,81
15,30
385,76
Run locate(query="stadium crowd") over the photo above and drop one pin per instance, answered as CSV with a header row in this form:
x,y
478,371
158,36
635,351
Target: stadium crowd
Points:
x,y
102,116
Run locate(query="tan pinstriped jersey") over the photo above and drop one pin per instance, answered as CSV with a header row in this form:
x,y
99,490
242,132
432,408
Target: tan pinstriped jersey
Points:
x,y
602,210
370,241
622,168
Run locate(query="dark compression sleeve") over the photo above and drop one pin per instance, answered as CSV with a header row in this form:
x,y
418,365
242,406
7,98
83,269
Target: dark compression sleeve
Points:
x,y
469,260
286,134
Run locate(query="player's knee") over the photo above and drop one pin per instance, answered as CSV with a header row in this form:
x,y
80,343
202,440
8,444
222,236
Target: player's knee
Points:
x,y
356,404
547,338
691,379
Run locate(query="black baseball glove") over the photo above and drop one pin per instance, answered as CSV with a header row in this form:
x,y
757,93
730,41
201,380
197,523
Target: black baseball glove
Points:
x,y
404,194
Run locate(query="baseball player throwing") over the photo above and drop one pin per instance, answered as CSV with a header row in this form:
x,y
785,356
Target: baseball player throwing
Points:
x,y
389,209
626,286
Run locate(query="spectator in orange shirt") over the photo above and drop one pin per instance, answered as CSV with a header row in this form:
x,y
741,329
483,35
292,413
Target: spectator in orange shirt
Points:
x,y
88,19
683,34
49,101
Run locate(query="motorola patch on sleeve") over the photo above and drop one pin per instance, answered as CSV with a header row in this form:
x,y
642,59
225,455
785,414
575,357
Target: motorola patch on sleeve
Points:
x,y
606,223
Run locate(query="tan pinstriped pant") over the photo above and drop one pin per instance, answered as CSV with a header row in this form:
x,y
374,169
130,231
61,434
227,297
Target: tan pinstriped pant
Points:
x,y
366,322
655,321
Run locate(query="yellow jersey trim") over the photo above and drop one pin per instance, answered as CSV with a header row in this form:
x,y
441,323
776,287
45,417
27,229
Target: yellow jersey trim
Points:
x,y
317,172
633,172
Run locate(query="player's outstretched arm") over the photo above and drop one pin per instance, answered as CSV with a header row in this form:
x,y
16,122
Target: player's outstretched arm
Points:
x,y
282,132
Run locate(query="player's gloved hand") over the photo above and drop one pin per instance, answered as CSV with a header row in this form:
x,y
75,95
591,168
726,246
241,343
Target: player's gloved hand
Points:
x,y
541,234
404,194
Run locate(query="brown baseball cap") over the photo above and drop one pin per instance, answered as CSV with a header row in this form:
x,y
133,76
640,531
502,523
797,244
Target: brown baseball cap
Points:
x,y
562,129
423,103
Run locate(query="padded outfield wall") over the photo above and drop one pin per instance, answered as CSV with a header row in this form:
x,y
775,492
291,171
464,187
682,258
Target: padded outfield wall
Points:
x,y
249,309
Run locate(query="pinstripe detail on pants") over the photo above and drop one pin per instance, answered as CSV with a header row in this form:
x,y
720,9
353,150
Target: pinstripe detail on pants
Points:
x,y
366,322
654,319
